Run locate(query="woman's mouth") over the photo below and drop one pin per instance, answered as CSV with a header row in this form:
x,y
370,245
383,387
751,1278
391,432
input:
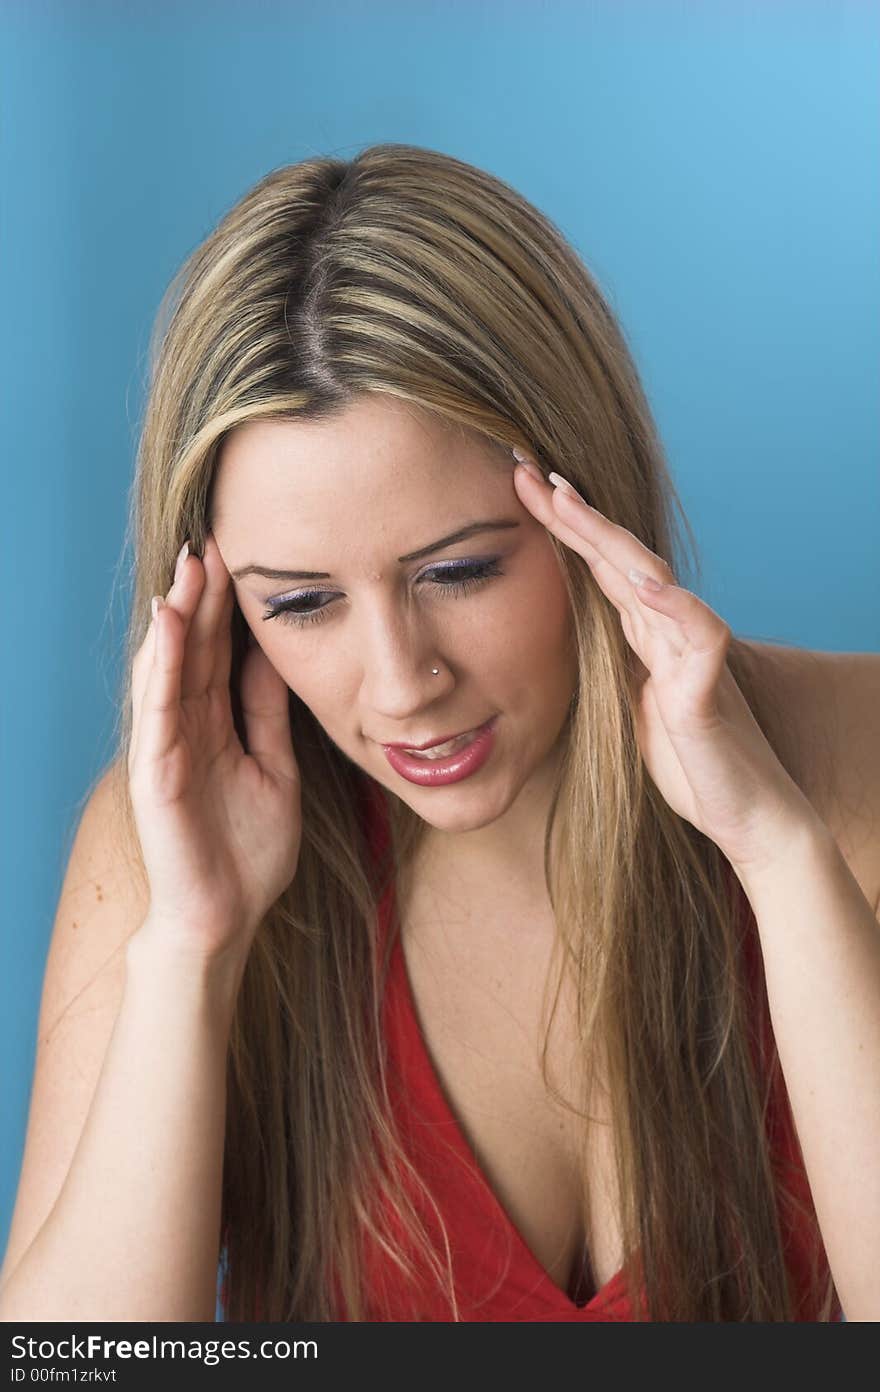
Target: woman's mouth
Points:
x,y
444,763
437,751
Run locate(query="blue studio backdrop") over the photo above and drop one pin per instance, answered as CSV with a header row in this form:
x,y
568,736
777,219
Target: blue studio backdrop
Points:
x,y
715,166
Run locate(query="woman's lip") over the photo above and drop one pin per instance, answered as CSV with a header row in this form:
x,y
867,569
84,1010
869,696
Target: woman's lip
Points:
x,y
429,744
452,768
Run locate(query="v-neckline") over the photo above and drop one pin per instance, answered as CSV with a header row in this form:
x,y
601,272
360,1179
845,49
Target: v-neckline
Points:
x,y
398,966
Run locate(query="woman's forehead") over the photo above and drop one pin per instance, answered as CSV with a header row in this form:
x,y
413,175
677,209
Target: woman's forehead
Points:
x,y
373,463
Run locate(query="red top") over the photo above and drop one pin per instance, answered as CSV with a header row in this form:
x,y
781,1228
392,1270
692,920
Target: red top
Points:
x,y
497,1277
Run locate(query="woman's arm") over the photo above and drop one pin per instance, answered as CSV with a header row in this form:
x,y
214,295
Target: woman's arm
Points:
x,y
135,1232
820,939
820,944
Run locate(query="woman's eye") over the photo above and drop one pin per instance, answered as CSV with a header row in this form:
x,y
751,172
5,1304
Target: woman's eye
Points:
x,y
458,578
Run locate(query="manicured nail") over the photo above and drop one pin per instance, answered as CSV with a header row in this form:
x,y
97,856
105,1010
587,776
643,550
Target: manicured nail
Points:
x,y
532,469
566,487
528,464
156,604
181,557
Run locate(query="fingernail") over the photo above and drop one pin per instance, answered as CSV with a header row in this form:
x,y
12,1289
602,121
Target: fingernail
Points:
x,y
156,604
564,484
181,557
527,464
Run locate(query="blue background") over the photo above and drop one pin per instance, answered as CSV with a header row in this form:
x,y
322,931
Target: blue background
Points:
x,y
715,165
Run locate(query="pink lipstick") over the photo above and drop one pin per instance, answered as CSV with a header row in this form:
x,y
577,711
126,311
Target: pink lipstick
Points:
x,y
431,773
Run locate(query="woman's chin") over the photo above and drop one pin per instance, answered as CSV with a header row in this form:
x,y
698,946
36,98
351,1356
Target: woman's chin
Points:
x,y
453,809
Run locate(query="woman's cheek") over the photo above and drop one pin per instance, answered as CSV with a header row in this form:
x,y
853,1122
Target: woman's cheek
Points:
x,y
300,671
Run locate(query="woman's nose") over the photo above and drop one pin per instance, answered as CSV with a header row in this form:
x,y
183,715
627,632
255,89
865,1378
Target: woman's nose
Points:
x,y
399,676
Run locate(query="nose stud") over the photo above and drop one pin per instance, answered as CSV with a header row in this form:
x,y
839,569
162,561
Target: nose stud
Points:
x,y
435,671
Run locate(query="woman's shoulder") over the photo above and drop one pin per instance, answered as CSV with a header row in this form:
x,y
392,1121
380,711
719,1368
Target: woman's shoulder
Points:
x,y
831,703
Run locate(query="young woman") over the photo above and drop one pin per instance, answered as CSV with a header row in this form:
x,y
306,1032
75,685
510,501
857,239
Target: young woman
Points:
x,y
575,1019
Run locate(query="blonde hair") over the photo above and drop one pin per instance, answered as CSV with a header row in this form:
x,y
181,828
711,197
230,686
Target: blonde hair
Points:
x,y
407,272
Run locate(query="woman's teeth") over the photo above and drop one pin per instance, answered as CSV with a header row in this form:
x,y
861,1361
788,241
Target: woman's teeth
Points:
x,y
440,751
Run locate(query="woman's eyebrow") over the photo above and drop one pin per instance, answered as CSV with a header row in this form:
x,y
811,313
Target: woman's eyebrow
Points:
x,y
473,529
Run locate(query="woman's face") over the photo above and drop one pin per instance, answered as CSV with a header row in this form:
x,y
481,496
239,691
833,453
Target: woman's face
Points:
x,y
350,498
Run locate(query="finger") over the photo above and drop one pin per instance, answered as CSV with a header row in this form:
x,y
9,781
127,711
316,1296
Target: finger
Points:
x,y
539,498
265,705
140,671
606,539
185,593
703,630
620,588
159,717
537,495
572,525
183,596
203,663
616,546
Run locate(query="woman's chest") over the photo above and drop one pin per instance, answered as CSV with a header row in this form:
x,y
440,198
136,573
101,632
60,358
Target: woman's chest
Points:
x,y
479,1002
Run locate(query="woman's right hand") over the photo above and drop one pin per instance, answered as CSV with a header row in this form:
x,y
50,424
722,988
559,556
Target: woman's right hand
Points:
x,y
220,829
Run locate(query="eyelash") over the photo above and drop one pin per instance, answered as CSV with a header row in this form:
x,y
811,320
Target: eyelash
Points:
x,y
481,571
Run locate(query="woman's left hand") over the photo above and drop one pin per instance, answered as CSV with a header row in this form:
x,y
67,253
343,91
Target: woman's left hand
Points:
x,y
699,740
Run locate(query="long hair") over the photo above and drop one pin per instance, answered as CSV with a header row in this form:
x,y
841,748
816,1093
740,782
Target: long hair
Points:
x,y
407,272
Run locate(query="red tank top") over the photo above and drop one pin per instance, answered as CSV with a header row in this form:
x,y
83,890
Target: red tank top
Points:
x,y
497,1277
